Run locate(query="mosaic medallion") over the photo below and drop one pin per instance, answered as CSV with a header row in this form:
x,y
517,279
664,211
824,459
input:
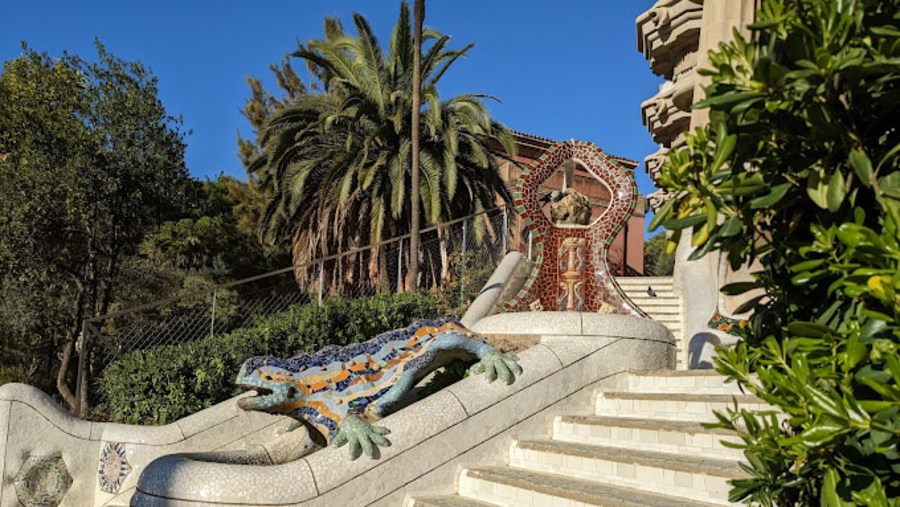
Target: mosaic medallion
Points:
x,y
42,481
114,467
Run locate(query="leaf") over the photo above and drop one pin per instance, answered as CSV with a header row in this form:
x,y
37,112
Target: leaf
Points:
x,y
872,496
684,223
726,99
830,496
723,151
774,195
661,215
817,189
731,227
824,402
736,288
748,305
836,191
890,185
808,329
821,434
885,31
807,265
806,277
700,235
862,166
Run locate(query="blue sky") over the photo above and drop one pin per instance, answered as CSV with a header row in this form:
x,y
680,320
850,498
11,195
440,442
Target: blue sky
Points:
x,y
564,69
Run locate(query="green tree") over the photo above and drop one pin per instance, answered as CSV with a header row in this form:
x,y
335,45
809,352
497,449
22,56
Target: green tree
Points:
x,y
89,160
657,261
337,158
220,233
799,169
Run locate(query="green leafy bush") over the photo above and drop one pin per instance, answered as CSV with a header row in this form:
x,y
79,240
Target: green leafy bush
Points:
x,y
799,169
657,261
162,384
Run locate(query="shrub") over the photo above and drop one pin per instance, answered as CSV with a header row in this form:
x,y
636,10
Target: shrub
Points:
x,y
799,169
162,384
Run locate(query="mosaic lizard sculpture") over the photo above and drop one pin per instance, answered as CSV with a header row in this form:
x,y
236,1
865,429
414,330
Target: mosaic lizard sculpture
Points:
x,y
336,389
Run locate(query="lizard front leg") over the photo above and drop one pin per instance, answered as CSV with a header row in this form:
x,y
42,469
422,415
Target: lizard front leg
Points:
x,y
494,363
361,437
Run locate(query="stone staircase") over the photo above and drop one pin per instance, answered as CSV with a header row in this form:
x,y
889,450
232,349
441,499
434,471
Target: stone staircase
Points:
x,y
665,307
642,445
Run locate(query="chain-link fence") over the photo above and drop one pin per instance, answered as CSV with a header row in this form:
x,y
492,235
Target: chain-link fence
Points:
x,y
456,257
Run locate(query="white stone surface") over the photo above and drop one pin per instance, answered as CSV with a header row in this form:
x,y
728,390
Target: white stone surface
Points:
x,y
530,323
486,302
475,394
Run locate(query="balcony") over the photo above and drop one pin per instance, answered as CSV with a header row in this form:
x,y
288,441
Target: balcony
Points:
x,y
667,114
667,32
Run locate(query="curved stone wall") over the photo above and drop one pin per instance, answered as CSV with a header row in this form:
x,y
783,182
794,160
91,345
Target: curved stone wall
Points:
x,y
103,460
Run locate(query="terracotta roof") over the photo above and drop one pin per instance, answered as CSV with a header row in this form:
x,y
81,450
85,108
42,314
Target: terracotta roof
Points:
x,y
547,141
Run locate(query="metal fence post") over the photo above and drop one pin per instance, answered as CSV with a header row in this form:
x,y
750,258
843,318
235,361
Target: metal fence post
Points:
x,y
212,319
81,384
462,274
400,267
321,280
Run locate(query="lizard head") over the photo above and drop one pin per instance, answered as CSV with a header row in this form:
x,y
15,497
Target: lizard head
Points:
x,y
273,384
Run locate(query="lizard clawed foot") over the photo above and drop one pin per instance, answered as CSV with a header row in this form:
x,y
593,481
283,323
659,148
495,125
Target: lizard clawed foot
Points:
x,y
497,364
362,437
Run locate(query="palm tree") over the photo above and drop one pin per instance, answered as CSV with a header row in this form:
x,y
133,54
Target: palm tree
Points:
x,y
338,161
416,112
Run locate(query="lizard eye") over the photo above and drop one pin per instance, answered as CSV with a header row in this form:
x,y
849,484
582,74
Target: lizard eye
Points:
x,y
268,377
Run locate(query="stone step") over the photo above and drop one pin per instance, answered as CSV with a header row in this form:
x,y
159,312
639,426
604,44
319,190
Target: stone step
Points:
x,y
655,303
668,318
673,381
670,308
694,478
679,437
512,486
664,317
446,501
641,292
644,280
675,406
646,300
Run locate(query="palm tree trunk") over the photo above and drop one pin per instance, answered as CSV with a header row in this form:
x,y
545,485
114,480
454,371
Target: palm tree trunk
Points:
x,y
419,15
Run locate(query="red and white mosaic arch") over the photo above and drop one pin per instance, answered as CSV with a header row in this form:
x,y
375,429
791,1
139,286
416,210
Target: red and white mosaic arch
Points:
x,y
558,257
